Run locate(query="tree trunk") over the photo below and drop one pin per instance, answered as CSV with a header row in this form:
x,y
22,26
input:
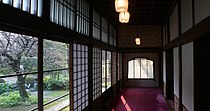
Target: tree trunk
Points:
x,y
21,87
20,80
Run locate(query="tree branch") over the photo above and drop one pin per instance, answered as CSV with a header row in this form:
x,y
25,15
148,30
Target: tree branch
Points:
x,y
4,53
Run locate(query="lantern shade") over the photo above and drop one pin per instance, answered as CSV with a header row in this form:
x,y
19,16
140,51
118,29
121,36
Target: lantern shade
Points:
x,y
121,5
138,41
124,17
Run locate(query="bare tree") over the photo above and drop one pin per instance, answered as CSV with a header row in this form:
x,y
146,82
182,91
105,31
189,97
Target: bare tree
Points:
x,y
55,56
14,47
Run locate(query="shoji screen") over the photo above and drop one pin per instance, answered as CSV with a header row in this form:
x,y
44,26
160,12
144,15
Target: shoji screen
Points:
x,y
80,76
104,30
114,70
33,7
119,66
96,25
62,12
82,17
96,73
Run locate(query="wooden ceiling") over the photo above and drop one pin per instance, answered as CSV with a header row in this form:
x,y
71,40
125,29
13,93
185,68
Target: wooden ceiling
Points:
x,y
141,11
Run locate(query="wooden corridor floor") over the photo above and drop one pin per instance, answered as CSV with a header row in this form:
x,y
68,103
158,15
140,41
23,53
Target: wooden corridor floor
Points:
x,y
141,99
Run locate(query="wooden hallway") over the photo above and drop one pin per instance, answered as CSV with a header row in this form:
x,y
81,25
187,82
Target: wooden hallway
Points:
x,y
141,99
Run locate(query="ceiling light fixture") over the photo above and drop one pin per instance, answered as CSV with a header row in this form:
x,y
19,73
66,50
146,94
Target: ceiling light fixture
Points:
x,y
137,38
121,5
124,17
138,41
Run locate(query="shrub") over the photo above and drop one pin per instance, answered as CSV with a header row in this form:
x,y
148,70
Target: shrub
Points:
x,y
13,99
5,87
30,80
53,84
45,81
2,80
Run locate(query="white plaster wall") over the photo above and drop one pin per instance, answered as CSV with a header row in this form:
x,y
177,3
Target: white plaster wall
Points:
x,y
174,24
164,34
186,15
187,76
164,66
202,10
176,71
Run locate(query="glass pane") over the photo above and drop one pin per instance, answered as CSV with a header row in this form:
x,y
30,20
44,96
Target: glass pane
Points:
x,y
97,73
144,68
7,1
137,68
104,37
150,69
130,69
40,8
109,69
10,97
30,6
140,68
80,75
33,6
60,14
114,68
18,55
56,83
55,55
26,5
103,70
17,3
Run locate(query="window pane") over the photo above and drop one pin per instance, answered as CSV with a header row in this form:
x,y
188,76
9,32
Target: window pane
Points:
x,y
96,73
82,17
103,70
80,76
144,68
114,71
137,68
56,82
40,8
7,1
130,69
62,12
109,69
12,100
18,55
150,69
33,7
25,5
120,66
96,25
115,37
140,68
17,3
30,6
104,30
55,55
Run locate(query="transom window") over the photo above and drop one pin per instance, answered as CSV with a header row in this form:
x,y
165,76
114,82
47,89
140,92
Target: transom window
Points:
x,y
33,7
140,68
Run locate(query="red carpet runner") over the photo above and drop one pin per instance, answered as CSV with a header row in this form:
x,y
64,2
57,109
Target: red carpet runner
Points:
x,y
141,99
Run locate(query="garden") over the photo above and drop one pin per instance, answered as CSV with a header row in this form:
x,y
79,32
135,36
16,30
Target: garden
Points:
x,y
10,99
19,73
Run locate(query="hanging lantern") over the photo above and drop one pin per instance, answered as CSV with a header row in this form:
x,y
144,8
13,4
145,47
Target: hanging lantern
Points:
x,y
138,41
124,17
121,5
137,37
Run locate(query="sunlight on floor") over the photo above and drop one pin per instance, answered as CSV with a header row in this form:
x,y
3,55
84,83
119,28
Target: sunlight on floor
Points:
x,y
125,103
